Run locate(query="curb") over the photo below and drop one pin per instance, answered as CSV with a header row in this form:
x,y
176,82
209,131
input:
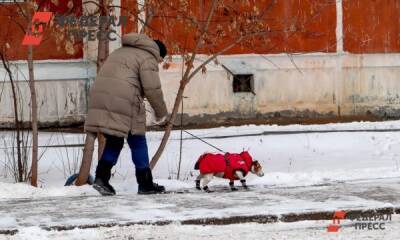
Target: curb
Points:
x,y
261,219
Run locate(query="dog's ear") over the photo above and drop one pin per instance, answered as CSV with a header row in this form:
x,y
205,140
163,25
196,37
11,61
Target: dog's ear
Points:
x,y
255,162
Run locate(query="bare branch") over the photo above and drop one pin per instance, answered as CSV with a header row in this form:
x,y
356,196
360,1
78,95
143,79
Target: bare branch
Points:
x,y
16,119
199,40
227,48
22,11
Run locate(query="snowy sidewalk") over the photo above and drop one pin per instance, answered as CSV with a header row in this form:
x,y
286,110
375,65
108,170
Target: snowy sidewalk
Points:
x,y
260,204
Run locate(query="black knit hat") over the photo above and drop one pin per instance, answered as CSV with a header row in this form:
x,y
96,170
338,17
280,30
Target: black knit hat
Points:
x,y
162,47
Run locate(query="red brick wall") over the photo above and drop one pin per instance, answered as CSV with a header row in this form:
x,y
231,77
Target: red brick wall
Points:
x,y
129,9
371,26
12,26
315,21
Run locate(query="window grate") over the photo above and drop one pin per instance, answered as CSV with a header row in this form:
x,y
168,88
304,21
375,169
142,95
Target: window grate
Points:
x,y
243,83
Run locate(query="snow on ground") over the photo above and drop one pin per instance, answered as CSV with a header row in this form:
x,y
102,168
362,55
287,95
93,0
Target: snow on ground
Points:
x,y
293,162
304,230
288,159
260,200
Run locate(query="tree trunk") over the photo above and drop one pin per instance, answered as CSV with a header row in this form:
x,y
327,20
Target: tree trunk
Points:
x,y
86,160
101,141
102,54
169,127
187,76
103,51
34,166
103,46
34,119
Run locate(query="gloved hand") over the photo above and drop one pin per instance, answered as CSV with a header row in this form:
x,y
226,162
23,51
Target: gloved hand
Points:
x,y
163,121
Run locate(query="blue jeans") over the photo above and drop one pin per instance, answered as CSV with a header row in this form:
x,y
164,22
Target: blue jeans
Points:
x,y
137,144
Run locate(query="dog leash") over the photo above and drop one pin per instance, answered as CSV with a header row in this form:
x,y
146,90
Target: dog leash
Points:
x,y
209,144
227,161
196,137
191,134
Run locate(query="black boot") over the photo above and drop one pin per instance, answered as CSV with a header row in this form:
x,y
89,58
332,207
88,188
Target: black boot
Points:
x,y
145,181
103,175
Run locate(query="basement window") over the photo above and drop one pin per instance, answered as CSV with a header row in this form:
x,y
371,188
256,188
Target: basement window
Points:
x,y
243,83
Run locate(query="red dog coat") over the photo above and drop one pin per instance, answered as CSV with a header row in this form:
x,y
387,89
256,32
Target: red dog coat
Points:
x,y
228,164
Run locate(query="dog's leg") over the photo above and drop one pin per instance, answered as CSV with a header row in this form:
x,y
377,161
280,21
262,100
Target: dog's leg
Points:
x,y
232,185
243,182
198,179
239,175
206,179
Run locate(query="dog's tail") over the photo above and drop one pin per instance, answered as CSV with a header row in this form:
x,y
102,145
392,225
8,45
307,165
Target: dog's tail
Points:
x,y
197,165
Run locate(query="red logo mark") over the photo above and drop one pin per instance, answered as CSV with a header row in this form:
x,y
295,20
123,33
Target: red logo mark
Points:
x,y
337,216
35,35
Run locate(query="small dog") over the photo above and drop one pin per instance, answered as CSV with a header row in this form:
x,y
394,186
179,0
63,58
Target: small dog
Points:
x,y
232,166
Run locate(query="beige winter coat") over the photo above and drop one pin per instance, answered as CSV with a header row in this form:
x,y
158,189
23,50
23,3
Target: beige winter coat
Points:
x,y
128,75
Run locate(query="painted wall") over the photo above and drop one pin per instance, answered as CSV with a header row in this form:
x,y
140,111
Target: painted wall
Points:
x,y
62,88
371,26
54,45
318,86
296,26
367,26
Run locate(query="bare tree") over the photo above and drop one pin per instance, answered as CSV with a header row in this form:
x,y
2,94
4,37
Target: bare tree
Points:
x,y
104,8
244,21
24,12
34,108
214,28
16,117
